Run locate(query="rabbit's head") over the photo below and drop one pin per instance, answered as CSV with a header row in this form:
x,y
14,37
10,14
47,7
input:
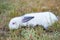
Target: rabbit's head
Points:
x,y
14,23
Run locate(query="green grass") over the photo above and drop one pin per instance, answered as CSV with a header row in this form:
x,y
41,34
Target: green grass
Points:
x,y
31,34
13,8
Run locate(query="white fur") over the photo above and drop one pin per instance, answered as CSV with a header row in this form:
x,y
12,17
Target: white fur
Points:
x,y
17,21
45,19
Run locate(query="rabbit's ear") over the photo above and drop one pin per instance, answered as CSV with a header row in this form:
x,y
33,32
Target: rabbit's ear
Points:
x,y
27,18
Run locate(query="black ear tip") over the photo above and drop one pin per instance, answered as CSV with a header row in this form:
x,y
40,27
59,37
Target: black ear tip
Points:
x,y
27,18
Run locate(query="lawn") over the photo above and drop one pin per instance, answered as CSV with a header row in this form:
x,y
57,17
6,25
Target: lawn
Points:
x,y
13,8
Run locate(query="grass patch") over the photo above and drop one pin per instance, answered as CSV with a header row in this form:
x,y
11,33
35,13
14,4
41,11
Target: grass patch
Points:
x,y
13,8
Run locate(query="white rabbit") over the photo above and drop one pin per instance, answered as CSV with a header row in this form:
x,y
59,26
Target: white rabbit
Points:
x,y
45,19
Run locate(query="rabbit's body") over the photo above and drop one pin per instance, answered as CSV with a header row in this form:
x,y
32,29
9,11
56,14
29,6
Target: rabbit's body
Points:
x,y
45,19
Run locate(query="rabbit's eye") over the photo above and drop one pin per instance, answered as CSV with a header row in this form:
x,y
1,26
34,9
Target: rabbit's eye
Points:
x,y
13,23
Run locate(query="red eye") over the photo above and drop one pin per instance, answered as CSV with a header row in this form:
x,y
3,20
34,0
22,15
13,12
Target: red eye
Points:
x,y
13,23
